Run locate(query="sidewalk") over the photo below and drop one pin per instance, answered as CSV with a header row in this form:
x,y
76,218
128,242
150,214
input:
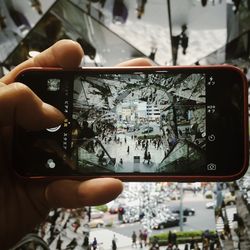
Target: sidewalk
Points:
x,y
181,247
123,242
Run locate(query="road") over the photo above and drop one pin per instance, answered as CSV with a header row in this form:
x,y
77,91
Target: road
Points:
x,y
202,220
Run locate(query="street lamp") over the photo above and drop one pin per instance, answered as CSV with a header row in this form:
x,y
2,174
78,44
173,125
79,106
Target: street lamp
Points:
x,y
171,33
181,207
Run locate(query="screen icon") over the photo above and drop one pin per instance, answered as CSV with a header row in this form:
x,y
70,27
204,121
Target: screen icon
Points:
x,y
53,84
211,167
52,130
211,109
50,163
211,137
211,81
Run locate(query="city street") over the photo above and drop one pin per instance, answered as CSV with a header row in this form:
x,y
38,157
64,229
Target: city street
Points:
x,y
202,220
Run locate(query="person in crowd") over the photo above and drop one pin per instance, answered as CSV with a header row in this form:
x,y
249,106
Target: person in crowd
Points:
x,y
76,224
155,244
140,238
176,247
184,39
174,238
101,156
145,156
149,158
27,204
59,243
192,243
152,54
121,161
170,236
72,244
85,243
134,239
140,8
169,246
52,235
114,245
145,237
94,244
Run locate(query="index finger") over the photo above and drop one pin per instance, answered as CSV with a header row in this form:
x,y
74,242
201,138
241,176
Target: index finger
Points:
x,y
64,54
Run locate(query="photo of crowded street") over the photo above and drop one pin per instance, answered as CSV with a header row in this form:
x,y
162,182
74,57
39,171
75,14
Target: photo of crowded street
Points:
x,y
125,123
141,122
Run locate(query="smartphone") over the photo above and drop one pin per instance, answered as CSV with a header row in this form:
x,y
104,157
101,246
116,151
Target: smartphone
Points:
x,y
138,124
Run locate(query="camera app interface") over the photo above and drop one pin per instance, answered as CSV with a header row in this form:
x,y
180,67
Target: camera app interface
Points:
x,y
137,122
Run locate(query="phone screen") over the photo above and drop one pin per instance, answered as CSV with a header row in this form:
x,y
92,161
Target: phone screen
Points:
x,y
146,122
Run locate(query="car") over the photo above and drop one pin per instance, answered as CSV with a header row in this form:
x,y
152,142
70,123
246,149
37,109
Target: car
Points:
x,y
170,221
186,211
147,130
175,195
113,209
96,223
210,205
209,194
96,214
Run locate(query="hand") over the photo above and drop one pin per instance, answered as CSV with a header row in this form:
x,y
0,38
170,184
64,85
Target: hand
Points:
x,y
25,204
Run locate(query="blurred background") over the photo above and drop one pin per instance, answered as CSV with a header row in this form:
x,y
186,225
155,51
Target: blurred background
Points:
x,y
169,32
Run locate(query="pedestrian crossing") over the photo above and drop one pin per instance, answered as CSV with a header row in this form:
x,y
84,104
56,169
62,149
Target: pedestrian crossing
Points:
x,y
229,215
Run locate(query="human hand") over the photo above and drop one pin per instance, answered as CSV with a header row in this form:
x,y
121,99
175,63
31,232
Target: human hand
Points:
x,y
25,204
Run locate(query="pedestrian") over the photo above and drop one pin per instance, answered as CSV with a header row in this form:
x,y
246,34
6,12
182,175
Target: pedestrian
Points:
x,y
72,244
59,243
52,236
186,246
184,39
85,243
94,243
89,214
145,237
205,244
121,212
149,157
134,238
169,247
145,156
76,225
155,244
152,54
128,150
146,144
121,161
176,247
114,240
141,238
192,242
140,8
101,156
174,238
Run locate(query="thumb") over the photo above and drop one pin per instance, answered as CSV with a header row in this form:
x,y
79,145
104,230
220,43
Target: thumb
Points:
x,y
19,104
